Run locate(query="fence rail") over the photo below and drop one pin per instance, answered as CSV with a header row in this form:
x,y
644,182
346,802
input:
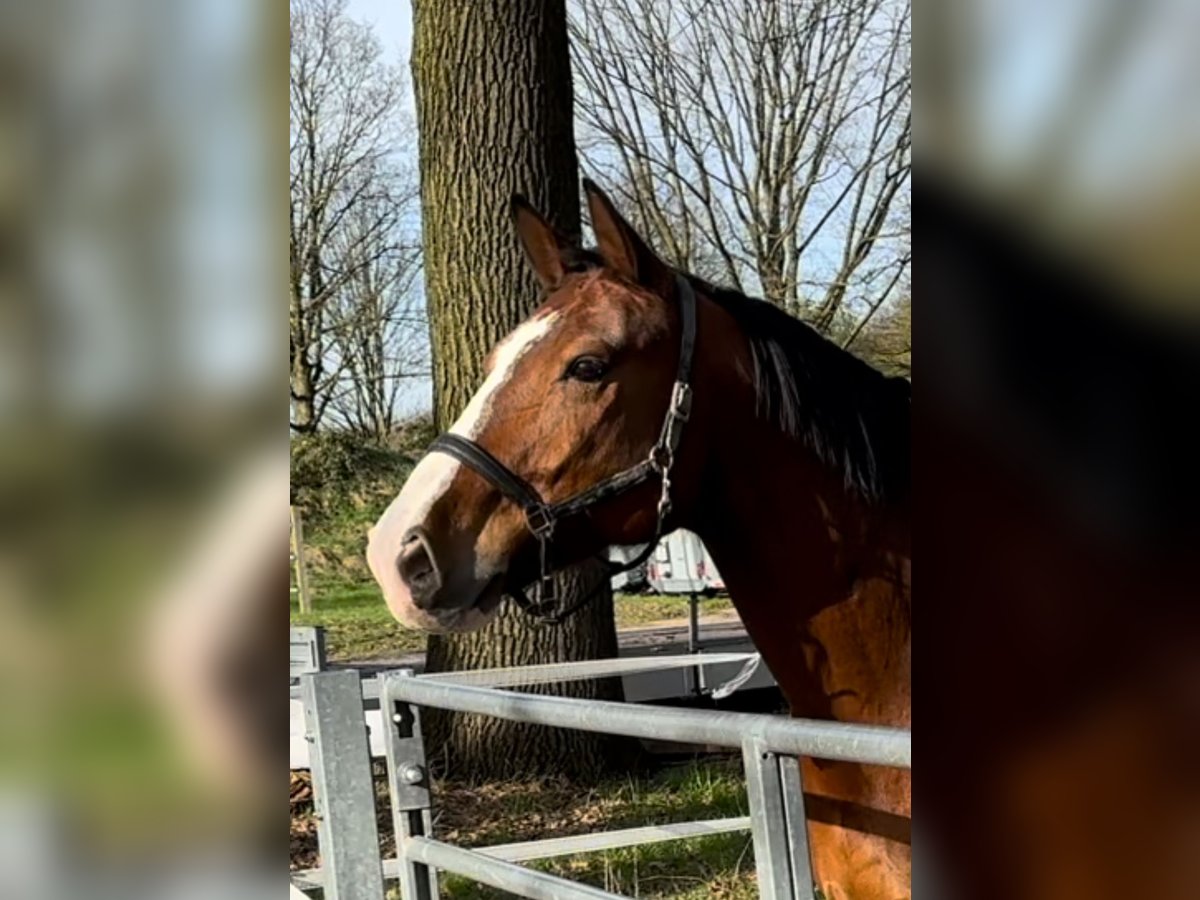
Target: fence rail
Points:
x,y
548,848
524,676
802,737
769,745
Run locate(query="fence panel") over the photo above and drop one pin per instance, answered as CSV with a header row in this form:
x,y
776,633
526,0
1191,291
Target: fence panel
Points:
x,y
343,792
342,784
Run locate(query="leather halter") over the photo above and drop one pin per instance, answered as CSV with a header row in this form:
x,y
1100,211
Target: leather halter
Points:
x,y
542,516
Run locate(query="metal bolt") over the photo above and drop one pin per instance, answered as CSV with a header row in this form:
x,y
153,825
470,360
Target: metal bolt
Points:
x,y
412,774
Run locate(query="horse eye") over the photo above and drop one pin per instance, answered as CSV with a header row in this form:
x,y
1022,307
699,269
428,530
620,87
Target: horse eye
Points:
x,y
586,368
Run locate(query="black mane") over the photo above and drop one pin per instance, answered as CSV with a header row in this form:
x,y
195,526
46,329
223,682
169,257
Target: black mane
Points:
x,y
853,417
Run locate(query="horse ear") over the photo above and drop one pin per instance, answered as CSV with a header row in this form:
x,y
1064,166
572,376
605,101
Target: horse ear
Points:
x,y
621,247
543,245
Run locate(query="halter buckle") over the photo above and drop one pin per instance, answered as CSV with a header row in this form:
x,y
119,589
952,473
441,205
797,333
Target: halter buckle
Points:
x,y
681,401
540,521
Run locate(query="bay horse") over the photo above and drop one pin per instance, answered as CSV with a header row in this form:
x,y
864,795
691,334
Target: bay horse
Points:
x,y
790,459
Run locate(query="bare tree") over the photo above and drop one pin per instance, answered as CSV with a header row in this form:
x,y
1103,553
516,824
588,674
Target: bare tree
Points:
x,y
350,201
885,341
379,330
768,139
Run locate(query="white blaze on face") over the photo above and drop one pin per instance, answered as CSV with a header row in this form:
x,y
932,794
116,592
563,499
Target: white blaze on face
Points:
x,y
434,474
470,424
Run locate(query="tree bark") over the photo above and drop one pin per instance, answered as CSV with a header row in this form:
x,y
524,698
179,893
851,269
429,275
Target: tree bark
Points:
x,y
494,108
300,375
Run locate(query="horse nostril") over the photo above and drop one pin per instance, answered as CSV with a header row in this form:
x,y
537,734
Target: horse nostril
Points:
x,y
417,567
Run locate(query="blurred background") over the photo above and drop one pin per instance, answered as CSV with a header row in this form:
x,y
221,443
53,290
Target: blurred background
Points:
x,y
143,463
143,472
1057,321
1079,122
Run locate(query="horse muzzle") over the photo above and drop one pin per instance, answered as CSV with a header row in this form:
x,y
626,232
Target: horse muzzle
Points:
x,y
423,587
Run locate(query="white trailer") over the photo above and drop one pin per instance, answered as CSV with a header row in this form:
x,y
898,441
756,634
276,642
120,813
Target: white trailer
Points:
x,y
634,580
681,565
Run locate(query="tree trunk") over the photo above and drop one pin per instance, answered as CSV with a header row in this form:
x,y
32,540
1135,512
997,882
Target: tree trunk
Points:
x,y
300,380
304,420
494,106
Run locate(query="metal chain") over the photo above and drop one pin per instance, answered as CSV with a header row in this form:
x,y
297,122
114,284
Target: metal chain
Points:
x,y
664,500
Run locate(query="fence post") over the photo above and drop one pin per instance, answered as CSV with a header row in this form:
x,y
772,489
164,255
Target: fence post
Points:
x,y
298,558
306,650
697,673
343,788
777,824
408,783
797,822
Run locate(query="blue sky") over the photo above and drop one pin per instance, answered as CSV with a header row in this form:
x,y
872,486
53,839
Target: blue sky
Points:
x,y
1020,81
392,21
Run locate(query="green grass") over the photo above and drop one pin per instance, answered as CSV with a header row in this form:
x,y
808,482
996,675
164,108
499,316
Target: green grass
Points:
x,y
358,625
717,866
633,610
693,869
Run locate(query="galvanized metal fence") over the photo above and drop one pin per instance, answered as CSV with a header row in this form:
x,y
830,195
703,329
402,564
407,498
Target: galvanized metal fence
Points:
x,y
344,796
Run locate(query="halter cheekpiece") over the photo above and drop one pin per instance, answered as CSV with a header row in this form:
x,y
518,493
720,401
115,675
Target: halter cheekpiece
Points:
x,y
542,517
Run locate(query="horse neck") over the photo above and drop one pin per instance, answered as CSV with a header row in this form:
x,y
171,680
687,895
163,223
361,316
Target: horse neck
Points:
x,y
820,579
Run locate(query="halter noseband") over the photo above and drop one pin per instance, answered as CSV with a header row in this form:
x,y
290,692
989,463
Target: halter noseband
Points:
x,y
541,517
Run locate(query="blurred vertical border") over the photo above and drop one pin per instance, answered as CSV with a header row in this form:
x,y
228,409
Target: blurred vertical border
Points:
x,y
143,464
1057,320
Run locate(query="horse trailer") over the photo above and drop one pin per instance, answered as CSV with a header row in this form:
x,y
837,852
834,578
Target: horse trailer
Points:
x,y
681,565
634,580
